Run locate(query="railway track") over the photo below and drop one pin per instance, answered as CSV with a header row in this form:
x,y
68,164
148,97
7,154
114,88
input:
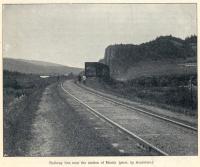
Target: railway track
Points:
x,y
98,104
138,109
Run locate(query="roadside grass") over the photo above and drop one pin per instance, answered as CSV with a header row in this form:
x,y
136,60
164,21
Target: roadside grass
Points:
x,y
21,96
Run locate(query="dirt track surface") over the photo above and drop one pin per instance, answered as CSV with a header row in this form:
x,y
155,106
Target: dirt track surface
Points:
x,y
59,130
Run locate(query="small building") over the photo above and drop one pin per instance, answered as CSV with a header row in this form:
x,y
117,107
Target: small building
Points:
x,y
96,69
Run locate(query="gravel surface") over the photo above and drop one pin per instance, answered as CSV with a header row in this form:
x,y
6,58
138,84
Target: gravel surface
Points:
x,y
170,138
59,130
181,117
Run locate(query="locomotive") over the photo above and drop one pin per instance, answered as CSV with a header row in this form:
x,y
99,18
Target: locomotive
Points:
x,y
96,69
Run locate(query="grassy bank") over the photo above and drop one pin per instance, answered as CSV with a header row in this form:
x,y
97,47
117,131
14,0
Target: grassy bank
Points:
x,y
21,95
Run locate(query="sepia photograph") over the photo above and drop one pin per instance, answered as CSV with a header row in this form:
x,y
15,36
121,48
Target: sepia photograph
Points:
x,y
97,79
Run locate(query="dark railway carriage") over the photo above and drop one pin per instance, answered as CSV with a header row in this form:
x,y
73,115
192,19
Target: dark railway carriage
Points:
x,y
96,69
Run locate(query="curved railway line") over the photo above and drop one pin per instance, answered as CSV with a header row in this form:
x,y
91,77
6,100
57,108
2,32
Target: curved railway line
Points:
x,y
92,100
137,109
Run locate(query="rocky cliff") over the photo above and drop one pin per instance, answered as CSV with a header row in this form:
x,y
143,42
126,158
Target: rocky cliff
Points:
x,y
164,55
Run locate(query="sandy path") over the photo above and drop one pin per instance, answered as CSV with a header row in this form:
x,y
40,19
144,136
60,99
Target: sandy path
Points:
x,y
58,130
46,136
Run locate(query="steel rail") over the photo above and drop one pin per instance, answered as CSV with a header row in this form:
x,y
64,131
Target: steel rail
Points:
x,y
137,109
131,134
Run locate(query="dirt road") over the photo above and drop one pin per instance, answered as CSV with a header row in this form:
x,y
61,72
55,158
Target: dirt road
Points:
x,y
59,130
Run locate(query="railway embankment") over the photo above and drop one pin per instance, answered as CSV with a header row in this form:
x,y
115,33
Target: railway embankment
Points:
x,y
38,121
22,94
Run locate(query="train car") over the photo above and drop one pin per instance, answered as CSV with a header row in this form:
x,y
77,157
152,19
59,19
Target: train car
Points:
x,y
96,69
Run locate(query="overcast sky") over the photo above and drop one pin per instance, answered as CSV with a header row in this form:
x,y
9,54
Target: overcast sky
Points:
x,y
71,34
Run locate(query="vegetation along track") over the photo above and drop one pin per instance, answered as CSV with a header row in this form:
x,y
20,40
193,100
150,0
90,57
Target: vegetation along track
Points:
x,y
163,137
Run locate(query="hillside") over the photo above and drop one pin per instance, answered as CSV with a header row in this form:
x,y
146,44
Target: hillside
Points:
x,y
164,55
37,67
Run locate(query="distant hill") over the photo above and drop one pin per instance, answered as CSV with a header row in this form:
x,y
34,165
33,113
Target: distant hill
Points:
x,y
164,55
37,67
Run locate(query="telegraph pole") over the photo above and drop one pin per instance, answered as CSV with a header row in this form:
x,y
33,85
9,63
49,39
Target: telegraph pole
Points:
x,y
191,95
